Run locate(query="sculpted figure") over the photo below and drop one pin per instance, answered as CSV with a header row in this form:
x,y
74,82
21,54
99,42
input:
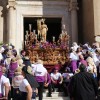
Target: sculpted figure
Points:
x,y
42,29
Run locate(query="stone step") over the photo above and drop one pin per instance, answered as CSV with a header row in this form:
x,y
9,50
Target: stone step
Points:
x,y
55,98
54,94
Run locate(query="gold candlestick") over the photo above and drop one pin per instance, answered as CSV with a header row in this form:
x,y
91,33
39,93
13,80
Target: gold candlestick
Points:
x,y
30,27
53,38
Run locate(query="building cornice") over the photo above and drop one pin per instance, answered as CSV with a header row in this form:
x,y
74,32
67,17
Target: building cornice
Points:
x,y
11,4
43,2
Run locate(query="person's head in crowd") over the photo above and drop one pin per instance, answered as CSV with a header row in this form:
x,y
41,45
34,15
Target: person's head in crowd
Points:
x,y
80,45
13,64
9,54
59,64
91,65
78,50
26,70
81,57
27,54
26,59
82,61
13,47
5,51
72,50
14,52
13,60
82,68
81,48
23,53
19,60
97,51
95,45
77,71
90,61
18,71
88,53
75,46
85,47
5,46
10,47
56,70
39,61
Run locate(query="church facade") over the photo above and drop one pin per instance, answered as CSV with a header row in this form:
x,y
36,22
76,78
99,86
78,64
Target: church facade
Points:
x,y
80,17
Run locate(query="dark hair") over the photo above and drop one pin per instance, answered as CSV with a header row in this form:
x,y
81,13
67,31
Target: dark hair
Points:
x,y
82,67
31,79
22,51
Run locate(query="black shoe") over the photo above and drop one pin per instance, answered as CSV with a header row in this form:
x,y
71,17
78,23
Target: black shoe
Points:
x,y
53,90
49,95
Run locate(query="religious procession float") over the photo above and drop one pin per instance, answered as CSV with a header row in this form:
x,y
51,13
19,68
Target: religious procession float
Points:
x,y
39,48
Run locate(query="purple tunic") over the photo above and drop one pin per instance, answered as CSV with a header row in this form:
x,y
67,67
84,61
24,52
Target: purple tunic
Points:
x,y
12,69
73,65
40,78
83,62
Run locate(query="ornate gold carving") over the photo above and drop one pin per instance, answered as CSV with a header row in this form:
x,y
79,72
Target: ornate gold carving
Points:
x,y
50,53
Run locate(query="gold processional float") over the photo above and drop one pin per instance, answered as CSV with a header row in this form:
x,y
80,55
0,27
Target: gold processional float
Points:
x,y
39,48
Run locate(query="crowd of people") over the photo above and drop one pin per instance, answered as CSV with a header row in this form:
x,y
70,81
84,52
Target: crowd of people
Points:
x,y
78,77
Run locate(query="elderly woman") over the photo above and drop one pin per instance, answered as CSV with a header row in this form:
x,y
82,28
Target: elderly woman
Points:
x,y
28,84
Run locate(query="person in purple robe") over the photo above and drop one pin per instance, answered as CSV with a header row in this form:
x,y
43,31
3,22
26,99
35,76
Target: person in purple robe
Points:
x,y
82,61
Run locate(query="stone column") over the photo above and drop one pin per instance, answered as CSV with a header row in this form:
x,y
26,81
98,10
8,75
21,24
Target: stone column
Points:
x,y
1,24
74,24
11,21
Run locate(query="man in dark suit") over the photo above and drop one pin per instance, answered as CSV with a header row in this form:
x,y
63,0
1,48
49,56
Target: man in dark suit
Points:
x,y
83,86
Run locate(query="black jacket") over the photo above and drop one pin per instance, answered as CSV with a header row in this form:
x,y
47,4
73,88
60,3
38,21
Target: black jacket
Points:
x,y
83,86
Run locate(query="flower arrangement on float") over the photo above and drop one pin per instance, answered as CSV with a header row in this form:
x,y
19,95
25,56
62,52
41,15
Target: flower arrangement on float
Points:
x,y
48,45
